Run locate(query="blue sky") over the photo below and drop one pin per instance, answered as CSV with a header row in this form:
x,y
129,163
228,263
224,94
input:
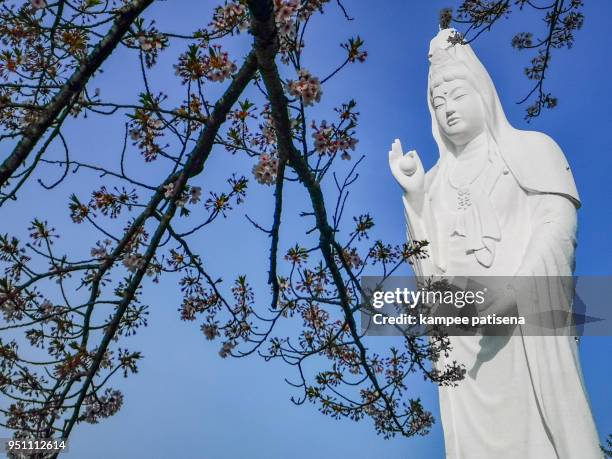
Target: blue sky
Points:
x,y
186,402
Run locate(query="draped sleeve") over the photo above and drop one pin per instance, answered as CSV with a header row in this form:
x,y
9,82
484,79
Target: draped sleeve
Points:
x,y
420,226
550,251
541,286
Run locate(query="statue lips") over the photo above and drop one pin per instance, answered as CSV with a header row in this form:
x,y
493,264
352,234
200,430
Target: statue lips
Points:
x,y
452,120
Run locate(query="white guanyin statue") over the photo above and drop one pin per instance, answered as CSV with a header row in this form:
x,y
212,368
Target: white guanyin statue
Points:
x,y
499,202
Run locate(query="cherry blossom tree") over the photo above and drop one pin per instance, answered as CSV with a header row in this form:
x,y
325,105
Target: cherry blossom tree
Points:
x,y
67,315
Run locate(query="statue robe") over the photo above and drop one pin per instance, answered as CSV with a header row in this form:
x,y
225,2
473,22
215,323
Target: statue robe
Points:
x,y
522,396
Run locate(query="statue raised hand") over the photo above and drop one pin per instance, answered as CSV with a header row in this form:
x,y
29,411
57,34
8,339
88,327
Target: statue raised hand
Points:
x,y
409,172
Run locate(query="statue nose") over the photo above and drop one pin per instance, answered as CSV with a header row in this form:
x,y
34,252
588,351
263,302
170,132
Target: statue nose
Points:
x,y
450,112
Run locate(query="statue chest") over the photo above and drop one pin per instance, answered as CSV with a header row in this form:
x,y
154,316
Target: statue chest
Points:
x,y
483,224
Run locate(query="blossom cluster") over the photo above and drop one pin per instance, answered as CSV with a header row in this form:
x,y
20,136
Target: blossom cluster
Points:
x,y
330,140
193,304
101,406
214,66
297,255
284,12
307,87
229,17
287,14
191,194
41,233
150,45
145,128
102,249
111,203
210,330
352,258
286,17
73,41
12,305
266,169
148,39
219,65
226,349
238,134
133,262
265,137
191,112
201,300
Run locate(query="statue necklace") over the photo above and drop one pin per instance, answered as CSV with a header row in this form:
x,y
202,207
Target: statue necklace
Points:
x,y
464,199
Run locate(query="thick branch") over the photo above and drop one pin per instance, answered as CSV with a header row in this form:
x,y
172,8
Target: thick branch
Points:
x,y
75,84
264,32
194,166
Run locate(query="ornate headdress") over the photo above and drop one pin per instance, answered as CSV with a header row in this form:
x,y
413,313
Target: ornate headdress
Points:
x,y
439,47
444,63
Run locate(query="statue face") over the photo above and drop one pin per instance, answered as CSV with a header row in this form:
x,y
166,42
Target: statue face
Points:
x,y
459,111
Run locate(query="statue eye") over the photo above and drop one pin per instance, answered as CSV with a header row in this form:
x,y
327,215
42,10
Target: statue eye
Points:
x,y
459,96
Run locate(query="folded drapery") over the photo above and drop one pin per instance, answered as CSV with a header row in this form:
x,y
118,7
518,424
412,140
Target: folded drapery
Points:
x,y
475,218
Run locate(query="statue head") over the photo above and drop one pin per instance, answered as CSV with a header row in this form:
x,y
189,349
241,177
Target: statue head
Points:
x,y
461,96
457,105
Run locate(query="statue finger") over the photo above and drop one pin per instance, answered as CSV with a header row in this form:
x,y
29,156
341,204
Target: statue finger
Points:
x,y
396,150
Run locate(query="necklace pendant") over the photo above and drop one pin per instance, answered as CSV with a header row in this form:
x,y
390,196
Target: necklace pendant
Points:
x,y
464,199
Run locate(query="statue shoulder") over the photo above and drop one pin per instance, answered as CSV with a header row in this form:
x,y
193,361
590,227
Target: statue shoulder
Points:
x,y
539,165
538,141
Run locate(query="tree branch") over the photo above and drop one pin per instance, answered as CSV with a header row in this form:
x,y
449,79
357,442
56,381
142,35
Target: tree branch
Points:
x,y
264,32
75,84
